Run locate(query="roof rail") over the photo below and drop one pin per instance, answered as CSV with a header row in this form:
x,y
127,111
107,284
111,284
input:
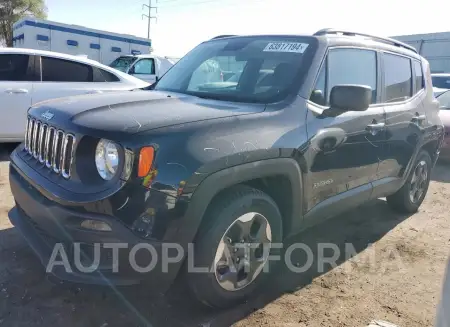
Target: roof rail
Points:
x,y
221,36
387,40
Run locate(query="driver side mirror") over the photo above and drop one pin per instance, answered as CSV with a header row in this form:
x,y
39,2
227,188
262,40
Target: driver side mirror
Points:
x,y
350,97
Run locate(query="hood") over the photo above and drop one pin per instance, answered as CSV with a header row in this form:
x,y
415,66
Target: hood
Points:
x,y
137,111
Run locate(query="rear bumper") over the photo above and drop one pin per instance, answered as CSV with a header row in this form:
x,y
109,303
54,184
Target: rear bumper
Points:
x,y
46,224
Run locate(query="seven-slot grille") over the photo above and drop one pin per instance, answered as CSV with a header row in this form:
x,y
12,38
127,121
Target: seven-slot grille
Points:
x,y
51,146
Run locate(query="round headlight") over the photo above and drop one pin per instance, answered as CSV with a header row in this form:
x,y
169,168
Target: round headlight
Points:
x,y
107,159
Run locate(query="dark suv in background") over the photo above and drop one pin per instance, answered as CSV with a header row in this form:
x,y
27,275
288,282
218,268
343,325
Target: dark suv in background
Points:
x,y
336,119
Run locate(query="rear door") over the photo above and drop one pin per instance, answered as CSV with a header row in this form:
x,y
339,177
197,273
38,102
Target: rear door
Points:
x,y
144,69
61,78
16,87
403,95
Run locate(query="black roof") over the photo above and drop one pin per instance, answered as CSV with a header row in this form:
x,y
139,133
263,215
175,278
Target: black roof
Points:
x,y
334,37
331,31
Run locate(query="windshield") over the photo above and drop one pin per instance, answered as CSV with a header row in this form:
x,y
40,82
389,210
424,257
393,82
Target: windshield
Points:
x,y
444,100
248,69
442,82
123,63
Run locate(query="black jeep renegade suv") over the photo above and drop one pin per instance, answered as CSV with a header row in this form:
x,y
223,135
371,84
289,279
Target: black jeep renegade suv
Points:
x,y
245,141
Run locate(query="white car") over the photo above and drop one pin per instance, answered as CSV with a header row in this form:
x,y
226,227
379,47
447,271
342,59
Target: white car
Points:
x,y
31,76
144,66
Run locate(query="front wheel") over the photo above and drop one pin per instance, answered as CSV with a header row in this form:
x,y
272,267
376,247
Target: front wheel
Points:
x,y
235,246
409,198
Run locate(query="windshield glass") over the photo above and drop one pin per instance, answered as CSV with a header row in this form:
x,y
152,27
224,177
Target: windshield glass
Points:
x,y
442,82
444,100
123,63
248,69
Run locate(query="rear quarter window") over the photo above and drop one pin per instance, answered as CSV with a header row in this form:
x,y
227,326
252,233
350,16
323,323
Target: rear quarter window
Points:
x,y
418,76
101,75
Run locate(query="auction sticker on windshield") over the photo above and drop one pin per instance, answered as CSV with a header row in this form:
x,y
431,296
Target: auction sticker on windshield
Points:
x,y
286,47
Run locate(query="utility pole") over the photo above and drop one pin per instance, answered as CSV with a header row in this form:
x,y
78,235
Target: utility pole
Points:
x,y
149,16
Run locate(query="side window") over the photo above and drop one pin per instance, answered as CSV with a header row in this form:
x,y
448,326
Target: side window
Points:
x,y
397,77
418,73
144,66
15,67
101,75
60,70
352,66
346,66
109,77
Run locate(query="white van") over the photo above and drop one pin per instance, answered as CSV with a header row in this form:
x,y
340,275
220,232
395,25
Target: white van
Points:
x,y
146,67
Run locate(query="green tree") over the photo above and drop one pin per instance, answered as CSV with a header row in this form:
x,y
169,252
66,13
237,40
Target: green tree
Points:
x,y
13,10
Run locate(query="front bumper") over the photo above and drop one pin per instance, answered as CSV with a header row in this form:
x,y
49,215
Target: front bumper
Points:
x,y
45,223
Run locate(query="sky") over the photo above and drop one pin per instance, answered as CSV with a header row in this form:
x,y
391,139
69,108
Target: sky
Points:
x,y
182,24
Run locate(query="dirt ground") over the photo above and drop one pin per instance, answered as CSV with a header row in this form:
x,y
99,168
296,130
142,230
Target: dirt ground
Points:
x,y
395,276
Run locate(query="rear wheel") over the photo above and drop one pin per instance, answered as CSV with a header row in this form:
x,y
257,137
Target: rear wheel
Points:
x,y
409,198
234,245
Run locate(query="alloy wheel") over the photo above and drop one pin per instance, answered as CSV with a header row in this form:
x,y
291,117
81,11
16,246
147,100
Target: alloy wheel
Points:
x,y
242,251
418,182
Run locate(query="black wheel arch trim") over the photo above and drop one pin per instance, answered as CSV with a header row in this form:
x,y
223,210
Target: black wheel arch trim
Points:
x,y
223,179
423,147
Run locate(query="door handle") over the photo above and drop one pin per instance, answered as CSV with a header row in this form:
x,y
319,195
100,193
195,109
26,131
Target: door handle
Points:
x,y
418,118
16,91
375,128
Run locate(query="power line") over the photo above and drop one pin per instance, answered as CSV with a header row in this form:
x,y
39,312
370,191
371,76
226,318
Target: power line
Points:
x,y
149,16
188,3
173,5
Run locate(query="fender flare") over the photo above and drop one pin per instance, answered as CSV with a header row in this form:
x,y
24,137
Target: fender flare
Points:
x,y
189,223
434,156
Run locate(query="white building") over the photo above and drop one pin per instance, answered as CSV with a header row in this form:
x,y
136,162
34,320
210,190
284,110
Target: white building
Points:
x,y
435,47
98,45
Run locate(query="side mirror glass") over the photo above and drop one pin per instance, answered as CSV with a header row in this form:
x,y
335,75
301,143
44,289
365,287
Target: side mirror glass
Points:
x,y
350,97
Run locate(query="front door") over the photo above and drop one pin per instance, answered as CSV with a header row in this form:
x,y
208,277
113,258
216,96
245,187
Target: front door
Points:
x,y
144,69
16,88
346,148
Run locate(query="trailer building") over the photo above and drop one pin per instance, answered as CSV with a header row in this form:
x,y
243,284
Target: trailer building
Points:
x,y
98,45
435,47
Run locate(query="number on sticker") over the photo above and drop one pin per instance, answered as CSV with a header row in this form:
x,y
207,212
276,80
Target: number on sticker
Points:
x,y
295,47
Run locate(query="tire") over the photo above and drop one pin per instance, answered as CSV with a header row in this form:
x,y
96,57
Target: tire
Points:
x,y
401,200
223,215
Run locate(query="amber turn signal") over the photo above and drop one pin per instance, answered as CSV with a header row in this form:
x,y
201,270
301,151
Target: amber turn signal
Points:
x,y
146,160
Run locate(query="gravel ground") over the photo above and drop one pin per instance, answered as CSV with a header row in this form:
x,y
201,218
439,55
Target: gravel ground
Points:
x,y
395,276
